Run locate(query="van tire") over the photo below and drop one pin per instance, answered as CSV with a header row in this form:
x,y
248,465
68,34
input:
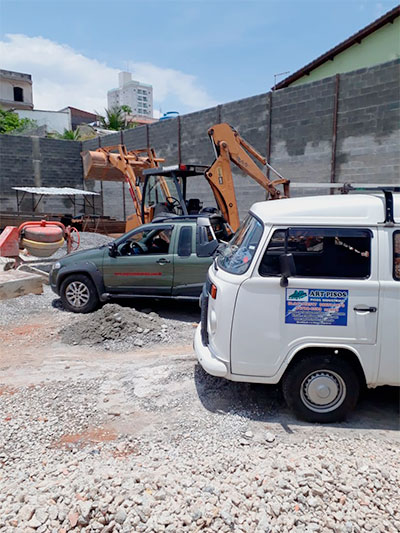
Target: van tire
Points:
x,y
321,388
86,294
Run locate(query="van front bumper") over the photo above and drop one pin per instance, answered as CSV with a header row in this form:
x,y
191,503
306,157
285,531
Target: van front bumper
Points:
x,y
207,359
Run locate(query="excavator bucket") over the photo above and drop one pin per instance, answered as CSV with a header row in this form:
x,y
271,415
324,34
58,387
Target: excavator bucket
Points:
x,y
96,166
115,163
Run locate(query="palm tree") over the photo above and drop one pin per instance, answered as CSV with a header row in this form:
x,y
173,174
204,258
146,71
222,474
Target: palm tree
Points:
x,y
70,135
116,118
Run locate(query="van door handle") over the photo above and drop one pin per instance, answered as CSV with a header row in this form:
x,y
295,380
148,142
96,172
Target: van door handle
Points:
x,y
163,261
365,309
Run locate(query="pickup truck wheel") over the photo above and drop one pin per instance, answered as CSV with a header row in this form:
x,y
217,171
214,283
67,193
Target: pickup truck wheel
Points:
x,y
321,388
78,294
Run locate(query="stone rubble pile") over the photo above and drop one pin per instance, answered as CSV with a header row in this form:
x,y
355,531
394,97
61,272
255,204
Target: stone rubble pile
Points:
x,y
122,326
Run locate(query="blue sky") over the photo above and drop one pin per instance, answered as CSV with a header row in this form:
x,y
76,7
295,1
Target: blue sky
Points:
x,y
196,53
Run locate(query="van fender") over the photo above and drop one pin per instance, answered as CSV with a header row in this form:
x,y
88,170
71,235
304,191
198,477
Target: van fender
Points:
x,y
297,349
83,267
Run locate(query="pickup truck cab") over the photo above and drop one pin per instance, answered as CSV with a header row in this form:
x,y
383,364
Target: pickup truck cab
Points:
x,y
307,293
167,258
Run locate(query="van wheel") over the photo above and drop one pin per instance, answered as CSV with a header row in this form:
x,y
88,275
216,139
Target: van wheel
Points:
x,y
78,294
321,388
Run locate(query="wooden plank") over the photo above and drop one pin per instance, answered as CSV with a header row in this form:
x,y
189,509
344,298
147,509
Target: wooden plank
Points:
x,y
14,283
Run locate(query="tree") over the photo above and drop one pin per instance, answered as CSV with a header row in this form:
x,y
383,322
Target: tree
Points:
x,y
11,123
83,132
70,135
117,118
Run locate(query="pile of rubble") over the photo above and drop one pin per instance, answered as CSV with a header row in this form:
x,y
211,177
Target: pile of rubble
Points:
x,y
119,327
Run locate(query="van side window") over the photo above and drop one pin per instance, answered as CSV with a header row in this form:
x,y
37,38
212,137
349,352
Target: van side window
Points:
x,y
396,255
185,241
320,252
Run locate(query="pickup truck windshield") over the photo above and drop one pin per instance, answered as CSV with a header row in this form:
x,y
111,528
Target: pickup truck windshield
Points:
x,y
238,254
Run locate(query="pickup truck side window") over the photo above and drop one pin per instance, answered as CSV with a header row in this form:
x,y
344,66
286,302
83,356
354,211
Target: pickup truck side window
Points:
x,y
145,242
185,241
396,255
320,252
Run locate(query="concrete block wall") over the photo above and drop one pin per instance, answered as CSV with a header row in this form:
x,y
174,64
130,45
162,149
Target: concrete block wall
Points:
x,y
296,123
60,166
16,169
368,125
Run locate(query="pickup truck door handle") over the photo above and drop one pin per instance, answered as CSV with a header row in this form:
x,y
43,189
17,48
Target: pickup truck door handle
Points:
x,y
163,261
365,309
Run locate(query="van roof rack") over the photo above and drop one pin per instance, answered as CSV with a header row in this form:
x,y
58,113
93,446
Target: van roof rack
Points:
x,y
172,218
387,188
347,187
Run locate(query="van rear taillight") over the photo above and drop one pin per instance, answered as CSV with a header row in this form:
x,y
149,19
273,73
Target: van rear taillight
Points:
x,y
213,291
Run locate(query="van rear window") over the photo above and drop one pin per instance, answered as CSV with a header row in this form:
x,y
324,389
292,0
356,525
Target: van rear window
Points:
x,y
320,252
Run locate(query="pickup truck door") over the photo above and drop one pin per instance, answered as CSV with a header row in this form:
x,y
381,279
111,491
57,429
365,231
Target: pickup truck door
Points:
x,y
190,270
143,263
332,300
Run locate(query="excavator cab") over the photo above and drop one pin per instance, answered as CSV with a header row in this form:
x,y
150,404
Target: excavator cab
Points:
x,y
165,191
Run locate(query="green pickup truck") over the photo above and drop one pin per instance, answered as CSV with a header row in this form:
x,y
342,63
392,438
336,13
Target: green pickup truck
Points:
x,y
167,258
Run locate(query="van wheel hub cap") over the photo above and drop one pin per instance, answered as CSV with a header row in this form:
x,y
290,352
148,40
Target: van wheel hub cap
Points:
x,y
323,391
77,294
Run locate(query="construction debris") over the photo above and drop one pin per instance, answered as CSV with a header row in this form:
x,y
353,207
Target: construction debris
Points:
x,y
15,283
117,327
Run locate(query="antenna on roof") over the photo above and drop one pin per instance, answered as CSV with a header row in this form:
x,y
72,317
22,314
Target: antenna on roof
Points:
x,y
276,77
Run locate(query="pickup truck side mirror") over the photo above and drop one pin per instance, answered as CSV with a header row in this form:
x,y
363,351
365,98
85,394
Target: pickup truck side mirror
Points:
x,y
112,249
287,267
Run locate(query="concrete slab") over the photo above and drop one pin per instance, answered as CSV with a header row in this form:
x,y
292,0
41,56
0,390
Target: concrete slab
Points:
x,y
14,283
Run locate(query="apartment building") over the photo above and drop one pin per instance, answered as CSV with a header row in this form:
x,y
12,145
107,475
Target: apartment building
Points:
x,y
138,96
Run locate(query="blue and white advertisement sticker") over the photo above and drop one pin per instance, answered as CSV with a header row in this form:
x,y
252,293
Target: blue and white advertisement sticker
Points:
x,y
319,307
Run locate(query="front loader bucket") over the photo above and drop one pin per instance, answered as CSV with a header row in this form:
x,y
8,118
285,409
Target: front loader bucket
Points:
x,y
97,167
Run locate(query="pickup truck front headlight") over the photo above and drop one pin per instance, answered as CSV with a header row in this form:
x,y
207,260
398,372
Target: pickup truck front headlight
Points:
x,y
56,266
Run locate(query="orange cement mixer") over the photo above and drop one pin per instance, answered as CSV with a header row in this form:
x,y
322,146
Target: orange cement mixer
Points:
x,y
40,239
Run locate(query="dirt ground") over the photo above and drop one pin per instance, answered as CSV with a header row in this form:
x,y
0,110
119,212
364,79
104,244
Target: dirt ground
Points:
x,y
159,394
32,353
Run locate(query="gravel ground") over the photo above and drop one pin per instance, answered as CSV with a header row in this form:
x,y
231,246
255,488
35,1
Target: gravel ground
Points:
x,y
19,310
88,240
158,445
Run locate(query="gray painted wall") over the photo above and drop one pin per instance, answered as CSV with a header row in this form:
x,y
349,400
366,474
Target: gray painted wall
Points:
x,y
297,123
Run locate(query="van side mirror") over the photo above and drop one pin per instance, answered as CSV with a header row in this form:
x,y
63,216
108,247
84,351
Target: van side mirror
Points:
x,y
112,249
287,267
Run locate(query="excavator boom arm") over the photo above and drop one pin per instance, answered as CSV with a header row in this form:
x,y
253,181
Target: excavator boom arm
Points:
x,y
230,147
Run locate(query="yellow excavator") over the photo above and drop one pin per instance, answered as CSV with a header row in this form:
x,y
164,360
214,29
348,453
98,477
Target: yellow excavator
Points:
x,y
157,190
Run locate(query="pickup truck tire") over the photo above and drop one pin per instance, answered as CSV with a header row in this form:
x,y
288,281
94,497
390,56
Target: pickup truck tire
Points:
x,y
321,388
78,294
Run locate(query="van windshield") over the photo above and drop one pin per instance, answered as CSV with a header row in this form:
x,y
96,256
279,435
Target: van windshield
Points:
x,y
238,254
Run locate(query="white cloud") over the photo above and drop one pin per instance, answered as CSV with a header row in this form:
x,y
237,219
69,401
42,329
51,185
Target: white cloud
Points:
x,y
63,77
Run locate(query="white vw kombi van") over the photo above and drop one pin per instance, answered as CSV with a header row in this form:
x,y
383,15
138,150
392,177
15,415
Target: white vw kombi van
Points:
x,y
308,293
